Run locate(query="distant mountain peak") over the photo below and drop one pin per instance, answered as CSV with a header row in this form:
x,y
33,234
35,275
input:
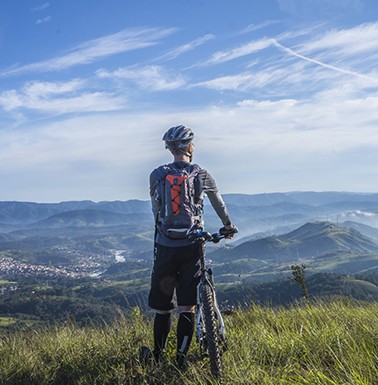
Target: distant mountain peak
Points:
x,y
313,239
311,229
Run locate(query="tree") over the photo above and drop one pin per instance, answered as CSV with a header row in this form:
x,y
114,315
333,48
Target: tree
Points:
x,y
298,276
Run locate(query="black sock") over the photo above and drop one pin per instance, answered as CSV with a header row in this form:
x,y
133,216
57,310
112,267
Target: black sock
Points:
x,y
162,326
185,328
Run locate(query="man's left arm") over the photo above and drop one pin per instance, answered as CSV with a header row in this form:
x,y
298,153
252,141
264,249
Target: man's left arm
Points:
x,y
154,195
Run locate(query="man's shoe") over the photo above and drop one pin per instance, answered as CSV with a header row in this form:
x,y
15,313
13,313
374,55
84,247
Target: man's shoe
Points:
x,y
181,361
146,357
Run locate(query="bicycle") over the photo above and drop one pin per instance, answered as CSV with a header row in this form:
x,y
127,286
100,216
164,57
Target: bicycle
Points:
x,y
210,328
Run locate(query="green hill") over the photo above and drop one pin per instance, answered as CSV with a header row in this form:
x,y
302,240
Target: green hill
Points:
x,y
310,240
34,302
91,218
322,343
29,212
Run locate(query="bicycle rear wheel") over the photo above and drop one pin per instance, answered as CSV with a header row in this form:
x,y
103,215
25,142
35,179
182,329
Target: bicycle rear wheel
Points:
x,y
212,338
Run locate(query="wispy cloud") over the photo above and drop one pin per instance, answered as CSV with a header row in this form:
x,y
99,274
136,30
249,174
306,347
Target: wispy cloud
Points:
x,y
314,144
239,82
93,50
42,7
59,98
150,77
345,42
317,62
44,20
323,61
173,54
243,50
256,27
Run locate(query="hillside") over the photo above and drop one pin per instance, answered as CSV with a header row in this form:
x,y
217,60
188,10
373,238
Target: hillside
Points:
x,y
368,231
92,218
253,213
314,343
22,213
305,197
275,230
310,240
37,300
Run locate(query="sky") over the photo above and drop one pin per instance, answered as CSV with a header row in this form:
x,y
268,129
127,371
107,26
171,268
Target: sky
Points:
x,y
281,95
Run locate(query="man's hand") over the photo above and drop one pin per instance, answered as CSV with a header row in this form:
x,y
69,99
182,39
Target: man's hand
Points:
x,y
228,231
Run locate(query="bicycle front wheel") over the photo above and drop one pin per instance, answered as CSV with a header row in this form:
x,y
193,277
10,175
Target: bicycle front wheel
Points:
x,y
212,338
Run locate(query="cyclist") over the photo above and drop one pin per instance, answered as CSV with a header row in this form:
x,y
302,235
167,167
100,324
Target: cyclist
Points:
x,y
176,260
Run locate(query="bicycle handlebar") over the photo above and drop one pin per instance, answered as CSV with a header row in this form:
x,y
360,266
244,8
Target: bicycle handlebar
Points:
x,y
205,236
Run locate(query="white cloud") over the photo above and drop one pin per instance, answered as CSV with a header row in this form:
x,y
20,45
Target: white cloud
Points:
x,y
256,27
257,146
243,50
255,46
240,82
44,20
317,62
153,78
59,98
359,213
355,49
291,78
345,42
43,89
296,61
93,50
85,102
302,114
173,54
42,7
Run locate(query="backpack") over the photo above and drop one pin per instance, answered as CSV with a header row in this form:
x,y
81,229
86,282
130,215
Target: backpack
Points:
x,y
180,204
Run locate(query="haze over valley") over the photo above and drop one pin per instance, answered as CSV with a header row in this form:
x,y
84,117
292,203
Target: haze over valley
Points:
x,y
87,237
80,259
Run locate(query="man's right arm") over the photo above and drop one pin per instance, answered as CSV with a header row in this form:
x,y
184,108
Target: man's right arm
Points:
x,y
215,198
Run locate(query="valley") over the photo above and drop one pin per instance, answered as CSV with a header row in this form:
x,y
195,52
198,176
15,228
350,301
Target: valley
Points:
x,y
85,258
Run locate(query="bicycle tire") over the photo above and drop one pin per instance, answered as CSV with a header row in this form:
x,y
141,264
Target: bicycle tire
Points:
x,y
212,338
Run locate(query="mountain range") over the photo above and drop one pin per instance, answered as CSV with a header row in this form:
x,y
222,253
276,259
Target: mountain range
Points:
x,y
311,240
325,229
320,246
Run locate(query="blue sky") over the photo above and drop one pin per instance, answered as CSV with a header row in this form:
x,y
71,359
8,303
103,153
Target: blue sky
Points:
x,y
281,94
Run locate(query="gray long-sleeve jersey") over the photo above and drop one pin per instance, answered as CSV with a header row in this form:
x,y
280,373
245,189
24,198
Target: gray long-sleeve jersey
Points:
x,y
206,185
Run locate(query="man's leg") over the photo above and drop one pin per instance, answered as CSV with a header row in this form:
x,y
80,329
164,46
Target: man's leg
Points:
x,y
162,326
185,329
187,298
163,282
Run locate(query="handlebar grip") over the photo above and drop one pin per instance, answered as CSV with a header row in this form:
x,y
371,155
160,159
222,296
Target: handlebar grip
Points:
x,y
216,237
204,236
226,232
201,236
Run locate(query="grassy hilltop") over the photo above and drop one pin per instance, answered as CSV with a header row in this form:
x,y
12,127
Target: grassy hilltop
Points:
x,y
317,343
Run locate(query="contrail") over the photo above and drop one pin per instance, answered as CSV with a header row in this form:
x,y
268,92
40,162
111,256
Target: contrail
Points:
x,y
292,52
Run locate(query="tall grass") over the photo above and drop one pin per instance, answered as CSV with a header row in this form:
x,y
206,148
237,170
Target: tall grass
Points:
x,y
321,343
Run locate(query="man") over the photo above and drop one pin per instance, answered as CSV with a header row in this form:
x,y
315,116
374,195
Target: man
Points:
x,y
176,257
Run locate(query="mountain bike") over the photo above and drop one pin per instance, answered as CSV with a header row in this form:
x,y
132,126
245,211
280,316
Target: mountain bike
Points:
x,y
210,328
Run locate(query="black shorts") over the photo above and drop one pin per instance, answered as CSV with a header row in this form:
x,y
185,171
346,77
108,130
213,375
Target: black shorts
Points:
x,y
175,268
